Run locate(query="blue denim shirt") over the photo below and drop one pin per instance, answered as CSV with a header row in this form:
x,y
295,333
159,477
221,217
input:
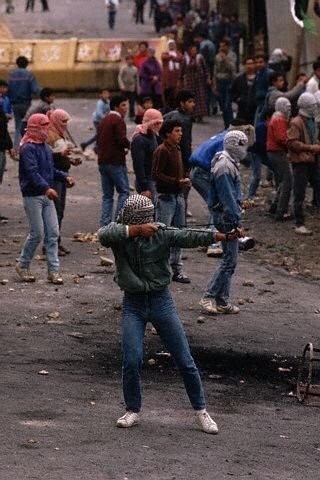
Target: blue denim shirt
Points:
x,y
22,85
36,169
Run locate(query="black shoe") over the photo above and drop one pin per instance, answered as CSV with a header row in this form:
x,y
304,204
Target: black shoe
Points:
x,y
181,278
83,146
63,250
246,243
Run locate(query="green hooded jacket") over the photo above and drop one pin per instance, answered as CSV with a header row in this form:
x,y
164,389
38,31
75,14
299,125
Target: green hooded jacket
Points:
x,y
142,264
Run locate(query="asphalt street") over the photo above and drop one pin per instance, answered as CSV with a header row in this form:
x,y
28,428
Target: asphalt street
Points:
x,y
60,355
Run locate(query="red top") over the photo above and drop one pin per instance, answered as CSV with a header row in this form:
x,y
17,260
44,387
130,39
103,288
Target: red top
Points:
x,y
277,134
139,58
112,140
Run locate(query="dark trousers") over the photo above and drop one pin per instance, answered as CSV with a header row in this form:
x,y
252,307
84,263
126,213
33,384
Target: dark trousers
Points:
x,y
140,11
225,101
45,6
112,18
60,202
30,5
304,173
283,179
131,96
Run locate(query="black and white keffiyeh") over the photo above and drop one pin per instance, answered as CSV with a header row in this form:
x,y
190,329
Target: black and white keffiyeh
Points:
x,y
137,210
236,145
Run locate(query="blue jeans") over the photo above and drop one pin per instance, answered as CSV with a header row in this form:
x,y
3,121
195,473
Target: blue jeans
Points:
x,y
219,285
19,112
113,177
157,307
43,221
171,211
257,160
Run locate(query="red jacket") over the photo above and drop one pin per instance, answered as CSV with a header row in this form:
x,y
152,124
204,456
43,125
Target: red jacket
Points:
x,y
112,140
277,134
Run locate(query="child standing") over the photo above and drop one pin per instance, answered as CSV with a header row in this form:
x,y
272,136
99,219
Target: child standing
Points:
x,y
128,80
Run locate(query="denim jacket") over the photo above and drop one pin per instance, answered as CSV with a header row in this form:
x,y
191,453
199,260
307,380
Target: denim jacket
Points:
x,y
225,191
143,263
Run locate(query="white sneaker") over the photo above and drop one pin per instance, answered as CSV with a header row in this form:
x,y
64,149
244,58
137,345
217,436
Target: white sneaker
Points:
x,y
228,309
55,278
302,230
208,306
214,250
205,422
128,420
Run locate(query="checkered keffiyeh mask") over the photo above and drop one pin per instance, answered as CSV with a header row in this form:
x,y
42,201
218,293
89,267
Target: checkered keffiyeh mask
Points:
x,y
236,144
137,210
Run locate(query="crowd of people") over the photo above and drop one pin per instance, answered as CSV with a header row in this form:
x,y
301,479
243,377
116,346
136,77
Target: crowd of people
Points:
x,y
265,123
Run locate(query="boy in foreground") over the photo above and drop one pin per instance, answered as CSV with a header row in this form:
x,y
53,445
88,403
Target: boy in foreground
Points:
x,y
141,249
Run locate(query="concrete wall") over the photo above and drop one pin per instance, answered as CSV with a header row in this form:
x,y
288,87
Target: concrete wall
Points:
x,y
71,64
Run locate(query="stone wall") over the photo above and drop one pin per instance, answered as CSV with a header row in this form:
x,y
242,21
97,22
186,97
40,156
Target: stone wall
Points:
x,y
73,64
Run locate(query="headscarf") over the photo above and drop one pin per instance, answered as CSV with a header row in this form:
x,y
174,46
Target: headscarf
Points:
x,y
58,122
172,65
150,117
136,210
276,56
37,129
236,145
283,107
307,105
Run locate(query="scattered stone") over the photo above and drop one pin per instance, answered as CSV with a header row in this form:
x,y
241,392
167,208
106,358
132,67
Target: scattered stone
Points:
x,y
84,237
4,281
281,369
106,262
117,306
269,282
76,335
43,372
213,376
248,283
53,315
241,301
200,320
163,354
249,300
151,361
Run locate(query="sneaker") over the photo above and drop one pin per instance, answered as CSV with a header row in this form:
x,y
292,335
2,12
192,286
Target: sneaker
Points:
x,y
228,309
181,278
25,274
205,422
302,230
128,420
208,306
55,278
214,250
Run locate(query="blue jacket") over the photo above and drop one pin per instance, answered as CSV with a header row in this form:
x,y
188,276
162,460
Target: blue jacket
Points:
x,y
203,155
6,104
36,169
102,109
225,189
261,84
22,85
